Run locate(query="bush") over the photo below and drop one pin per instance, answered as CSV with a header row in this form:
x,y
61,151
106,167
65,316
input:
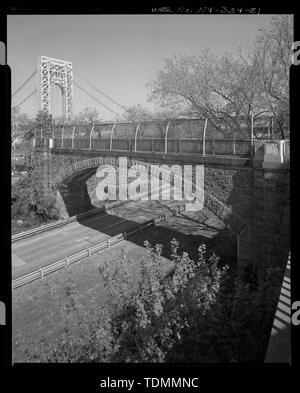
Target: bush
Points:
x,y
32,200
186,315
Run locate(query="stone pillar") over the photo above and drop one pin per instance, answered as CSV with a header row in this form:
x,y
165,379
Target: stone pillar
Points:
x,y
271,208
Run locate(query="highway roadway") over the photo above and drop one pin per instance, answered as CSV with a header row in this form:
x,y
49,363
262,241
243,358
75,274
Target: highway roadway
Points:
x,y
42,249
48,247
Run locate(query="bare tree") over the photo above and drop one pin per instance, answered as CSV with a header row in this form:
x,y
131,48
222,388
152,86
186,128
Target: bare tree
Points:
x,y
139,114
88,116
209,87
229,90
21,125
272,55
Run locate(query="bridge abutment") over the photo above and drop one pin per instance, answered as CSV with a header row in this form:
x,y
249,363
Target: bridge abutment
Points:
x,y
67,204
271,217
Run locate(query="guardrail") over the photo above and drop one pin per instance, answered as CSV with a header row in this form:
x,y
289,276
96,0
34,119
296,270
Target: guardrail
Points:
x,y
86,252
60,223
65,262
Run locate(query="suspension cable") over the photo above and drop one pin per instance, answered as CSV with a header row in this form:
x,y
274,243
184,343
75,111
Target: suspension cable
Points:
x,y
90,95
26,98
24,83
99,91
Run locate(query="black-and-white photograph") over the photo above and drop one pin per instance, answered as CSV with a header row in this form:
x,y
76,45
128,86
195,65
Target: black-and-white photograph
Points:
x,y
150,189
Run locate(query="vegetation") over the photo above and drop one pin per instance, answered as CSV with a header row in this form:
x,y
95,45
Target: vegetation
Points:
x,y
87,116
44,121
191,314
22,126
137,113
32,202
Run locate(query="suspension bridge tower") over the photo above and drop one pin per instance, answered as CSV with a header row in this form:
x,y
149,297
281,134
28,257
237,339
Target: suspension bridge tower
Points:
x,y
60,73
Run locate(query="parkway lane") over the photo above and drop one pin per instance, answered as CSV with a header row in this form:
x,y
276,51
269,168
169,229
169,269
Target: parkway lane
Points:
x,y
48,247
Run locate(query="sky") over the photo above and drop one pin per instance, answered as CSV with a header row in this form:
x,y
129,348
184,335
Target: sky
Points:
x,y
118,54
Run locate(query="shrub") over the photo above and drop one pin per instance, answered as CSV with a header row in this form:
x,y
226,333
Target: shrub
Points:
x,y
32,200
186,314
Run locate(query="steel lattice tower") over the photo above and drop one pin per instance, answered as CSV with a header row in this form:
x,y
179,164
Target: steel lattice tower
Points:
x,y
58,72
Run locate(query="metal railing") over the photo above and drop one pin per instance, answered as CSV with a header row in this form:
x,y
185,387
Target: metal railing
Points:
x,y
182,146
65,262
60,223
214,147
181,135
44,228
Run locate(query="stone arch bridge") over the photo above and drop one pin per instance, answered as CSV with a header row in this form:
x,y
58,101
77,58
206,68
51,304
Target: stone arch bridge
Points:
x,y
250,197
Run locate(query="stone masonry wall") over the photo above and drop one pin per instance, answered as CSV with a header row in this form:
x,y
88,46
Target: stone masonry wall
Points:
x,y
271,217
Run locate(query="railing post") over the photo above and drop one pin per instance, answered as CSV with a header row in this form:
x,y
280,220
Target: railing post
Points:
x,y
204,136
234,148
111,136
135,135
166,137
42,273
73,135
41,132
91,135
282,151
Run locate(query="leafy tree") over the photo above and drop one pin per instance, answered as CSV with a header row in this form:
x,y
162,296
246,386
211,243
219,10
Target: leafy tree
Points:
x,y
33,201
59,120
44,123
